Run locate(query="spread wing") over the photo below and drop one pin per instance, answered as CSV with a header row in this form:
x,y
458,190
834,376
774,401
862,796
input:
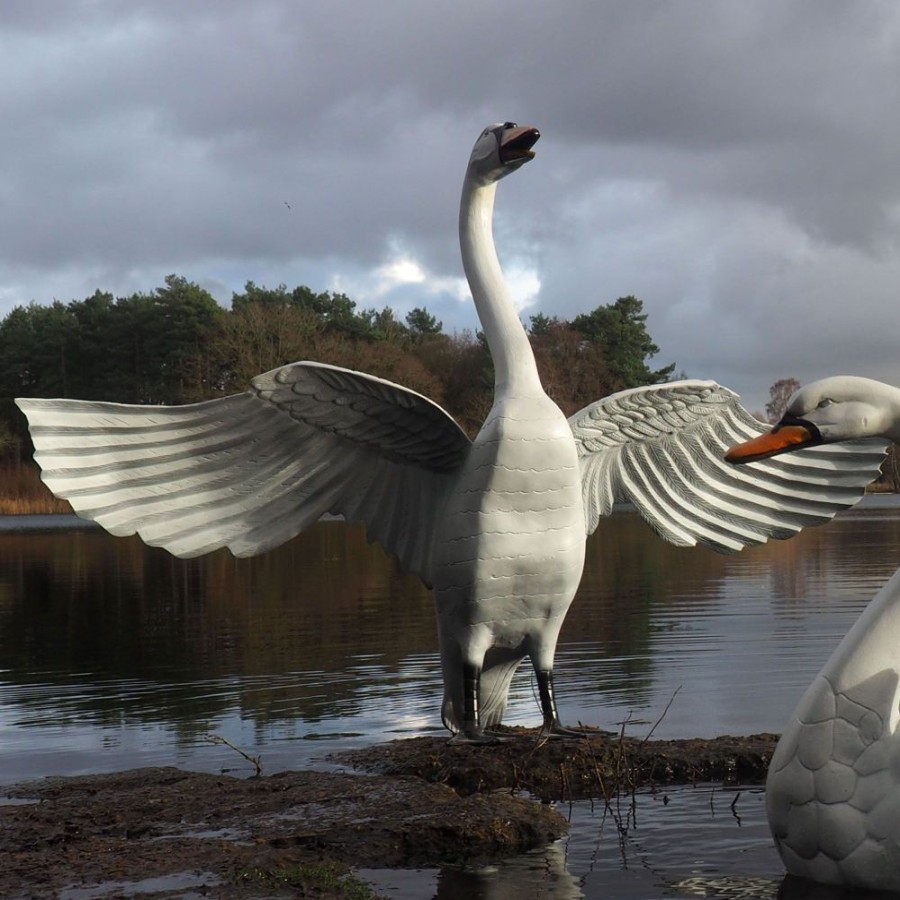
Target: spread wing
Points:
x,y
662,447
250,471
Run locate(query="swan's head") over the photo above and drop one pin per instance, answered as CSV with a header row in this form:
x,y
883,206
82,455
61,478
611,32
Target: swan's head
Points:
x,y
501,149
835,409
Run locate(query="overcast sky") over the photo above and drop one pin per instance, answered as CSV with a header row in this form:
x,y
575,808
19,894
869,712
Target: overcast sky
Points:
x,y
735,165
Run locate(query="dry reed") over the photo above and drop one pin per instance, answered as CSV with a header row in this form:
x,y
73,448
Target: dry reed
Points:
x,y
23,493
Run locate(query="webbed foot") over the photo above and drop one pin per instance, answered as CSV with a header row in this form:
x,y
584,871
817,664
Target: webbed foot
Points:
x,y
555,730
475,736
558,730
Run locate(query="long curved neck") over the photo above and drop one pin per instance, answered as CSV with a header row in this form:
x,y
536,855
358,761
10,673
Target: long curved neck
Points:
x,y
515,371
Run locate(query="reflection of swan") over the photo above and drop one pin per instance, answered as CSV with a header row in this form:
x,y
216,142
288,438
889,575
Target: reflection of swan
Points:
x,y
497,525
833,790
541,873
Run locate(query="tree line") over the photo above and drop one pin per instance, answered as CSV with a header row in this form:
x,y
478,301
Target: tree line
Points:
x,y
176,344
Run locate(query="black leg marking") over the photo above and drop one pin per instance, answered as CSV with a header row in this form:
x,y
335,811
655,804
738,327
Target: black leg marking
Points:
x,y
471,731
548,699
548,706
471,713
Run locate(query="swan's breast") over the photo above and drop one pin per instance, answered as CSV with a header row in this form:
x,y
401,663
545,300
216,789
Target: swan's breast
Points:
x,y
833,790
513,530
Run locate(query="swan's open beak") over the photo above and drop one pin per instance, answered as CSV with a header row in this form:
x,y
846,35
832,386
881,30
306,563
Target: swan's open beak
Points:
x,y
786,435
516,144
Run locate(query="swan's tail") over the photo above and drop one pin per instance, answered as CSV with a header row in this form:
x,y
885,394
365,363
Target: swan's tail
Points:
x,y
496,675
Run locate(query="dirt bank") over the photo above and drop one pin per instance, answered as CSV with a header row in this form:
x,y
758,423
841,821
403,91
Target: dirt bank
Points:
x,y
599,766
168,833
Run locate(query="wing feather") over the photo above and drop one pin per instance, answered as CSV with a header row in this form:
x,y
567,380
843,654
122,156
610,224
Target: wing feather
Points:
x,y
250,471
662,449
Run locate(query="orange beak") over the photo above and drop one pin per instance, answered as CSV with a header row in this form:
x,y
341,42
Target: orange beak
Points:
x,y
780,439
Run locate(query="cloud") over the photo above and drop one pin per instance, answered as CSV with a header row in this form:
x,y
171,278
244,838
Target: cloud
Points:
x,y
734,165
403,271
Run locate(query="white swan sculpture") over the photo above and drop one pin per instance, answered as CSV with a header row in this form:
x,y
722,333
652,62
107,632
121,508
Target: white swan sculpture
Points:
x,y
496,525
833,788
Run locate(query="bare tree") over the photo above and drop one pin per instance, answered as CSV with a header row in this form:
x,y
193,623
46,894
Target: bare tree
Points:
x,y
890,470
779,394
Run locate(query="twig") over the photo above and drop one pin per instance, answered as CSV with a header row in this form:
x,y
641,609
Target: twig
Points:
x,y
218,739
733,807
662,715
564,783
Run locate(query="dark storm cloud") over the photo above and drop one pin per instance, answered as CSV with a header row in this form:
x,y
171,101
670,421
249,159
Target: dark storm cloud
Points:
x,y
735,165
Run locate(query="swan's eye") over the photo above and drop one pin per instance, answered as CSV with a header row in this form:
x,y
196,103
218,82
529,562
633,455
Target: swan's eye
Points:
x,y
824,403
508,125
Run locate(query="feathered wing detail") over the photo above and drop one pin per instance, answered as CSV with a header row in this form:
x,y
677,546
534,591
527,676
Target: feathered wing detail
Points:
x,y
250,471
662,448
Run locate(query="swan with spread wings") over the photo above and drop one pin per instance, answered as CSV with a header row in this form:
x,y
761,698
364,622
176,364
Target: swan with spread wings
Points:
x,y
496,525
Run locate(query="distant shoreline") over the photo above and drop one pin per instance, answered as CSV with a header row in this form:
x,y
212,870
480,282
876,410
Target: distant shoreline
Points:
x,y
44,522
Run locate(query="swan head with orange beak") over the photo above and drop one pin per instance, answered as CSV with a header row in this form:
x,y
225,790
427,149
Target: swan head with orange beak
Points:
x,y
841,408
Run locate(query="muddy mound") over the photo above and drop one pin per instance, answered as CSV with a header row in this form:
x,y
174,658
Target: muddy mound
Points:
x,y
599,765
157,832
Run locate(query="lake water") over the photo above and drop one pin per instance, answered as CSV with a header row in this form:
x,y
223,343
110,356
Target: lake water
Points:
x,y
114,655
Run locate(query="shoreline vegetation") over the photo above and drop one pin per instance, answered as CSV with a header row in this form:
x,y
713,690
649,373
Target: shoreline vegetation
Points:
x,y
176,345
22,493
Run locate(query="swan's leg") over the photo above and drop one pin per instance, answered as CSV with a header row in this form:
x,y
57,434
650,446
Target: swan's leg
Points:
x,y
546,693
472,731
543,653
471,712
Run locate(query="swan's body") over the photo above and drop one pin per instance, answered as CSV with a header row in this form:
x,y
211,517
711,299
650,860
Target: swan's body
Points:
x,y
833,788
497,525
509,549
509,553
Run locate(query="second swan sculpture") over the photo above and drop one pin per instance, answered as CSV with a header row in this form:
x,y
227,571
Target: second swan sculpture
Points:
x,y
833,788
496,525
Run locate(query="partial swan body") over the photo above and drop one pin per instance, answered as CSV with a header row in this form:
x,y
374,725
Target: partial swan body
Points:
x,y
496,525
833,788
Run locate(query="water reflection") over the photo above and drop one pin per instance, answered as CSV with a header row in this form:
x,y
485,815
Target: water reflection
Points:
x,y
685,841
543,873
114,655
106,620
327,637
